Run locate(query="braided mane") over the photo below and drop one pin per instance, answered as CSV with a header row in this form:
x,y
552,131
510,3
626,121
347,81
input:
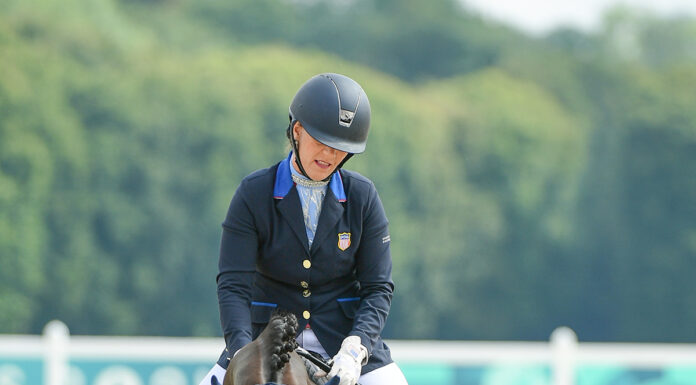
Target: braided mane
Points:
x,y
281,330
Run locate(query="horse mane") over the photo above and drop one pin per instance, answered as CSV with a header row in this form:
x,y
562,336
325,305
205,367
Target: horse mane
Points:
x,y
270,358
280,333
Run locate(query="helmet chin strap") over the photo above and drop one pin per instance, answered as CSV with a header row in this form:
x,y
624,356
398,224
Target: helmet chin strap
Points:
x,y
296,151
348,156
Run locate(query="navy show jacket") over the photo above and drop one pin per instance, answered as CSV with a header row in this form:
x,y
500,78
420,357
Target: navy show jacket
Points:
x,y
340,286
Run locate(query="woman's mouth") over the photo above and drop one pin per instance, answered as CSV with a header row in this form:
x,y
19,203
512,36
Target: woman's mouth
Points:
x,y
321,164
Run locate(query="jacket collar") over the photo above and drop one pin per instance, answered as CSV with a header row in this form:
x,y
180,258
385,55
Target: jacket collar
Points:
x,y
283,181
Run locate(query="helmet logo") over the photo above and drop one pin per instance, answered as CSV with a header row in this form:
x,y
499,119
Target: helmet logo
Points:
x,y
345,118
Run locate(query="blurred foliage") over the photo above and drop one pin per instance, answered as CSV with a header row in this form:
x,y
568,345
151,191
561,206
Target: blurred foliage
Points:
x,y
530,182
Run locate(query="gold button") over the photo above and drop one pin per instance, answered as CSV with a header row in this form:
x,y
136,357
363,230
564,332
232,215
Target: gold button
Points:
x,y
306,293
307,264
305,314
304,284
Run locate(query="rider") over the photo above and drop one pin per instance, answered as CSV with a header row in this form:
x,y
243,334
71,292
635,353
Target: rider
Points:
x,y
307,236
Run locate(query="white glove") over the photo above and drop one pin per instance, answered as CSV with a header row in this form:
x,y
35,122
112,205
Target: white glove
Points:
x,y
348,362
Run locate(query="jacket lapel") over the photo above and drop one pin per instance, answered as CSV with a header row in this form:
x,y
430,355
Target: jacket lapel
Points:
x,y
291,209
331,212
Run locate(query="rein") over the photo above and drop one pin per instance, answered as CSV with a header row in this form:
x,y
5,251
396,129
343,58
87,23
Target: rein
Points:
x,y
318,361
323,365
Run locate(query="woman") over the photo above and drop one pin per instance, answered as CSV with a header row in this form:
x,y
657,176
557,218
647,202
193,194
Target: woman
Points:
x,y
308,237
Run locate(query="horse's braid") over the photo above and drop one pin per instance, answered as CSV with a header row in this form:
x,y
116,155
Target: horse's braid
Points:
x,y
290,346
284,327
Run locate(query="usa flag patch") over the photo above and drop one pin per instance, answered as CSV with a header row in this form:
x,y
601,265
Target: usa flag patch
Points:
x,y
343,241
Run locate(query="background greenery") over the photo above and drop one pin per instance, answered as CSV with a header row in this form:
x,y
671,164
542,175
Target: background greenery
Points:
x,y
530,182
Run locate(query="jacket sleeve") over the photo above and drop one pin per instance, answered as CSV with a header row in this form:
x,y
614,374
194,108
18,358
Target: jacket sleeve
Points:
x,y
237,266
373,271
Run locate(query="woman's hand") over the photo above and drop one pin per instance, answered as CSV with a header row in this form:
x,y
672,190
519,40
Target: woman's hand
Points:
x,y
348,362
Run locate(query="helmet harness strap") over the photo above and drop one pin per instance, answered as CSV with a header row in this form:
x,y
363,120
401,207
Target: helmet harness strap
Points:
x,y
295,149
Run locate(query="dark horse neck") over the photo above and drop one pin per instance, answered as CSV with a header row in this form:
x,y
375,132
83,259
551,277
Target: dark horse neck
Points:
x,y
265,360
278,341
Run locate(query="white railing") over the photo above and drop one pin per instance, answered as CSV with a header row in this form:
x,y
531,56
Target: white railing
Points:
x,y
563,353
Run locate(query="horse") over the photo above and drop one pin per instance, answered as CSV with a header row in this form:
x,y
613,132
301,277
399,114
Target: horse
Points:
x,y
271,358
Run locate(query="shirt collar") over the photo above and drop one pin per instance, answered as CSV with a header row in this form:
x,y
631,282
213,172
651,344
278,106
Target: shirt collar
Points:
x,y
283,181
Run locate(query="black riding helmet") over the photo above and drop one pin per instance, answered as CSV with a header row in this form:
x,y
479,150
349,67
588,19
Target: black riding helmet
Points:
x,y
334,110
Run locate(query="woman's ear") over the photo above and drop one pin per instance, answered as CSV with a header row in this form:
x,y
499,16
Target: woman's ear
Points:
x,y
296,130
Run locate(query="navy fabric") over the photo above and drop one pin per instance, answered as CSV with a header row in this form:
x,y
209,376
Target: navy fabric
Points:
x,y
283,181
266,263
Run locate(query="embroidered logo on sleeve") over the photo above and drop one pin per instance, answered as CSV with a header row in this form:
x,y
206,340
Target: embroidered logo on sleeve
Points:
x,y
386,239
343,241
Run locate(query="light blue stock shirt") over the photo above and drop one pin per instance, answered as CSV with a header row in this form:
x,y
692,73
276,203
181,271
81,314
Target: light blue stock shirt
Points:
x,y
312,196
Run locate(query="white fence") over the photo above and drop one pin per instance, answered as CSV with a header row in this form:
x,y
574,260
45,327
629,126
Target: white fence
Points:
x,y
562,354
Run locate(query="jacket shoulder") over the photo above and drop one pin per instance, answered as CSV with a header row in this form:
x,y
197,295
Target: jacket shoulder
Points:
x,y
259,181
357,184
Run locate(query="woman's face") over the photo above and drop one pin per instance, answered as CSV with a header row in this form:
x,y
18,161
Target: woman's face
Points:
x,y
318,160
